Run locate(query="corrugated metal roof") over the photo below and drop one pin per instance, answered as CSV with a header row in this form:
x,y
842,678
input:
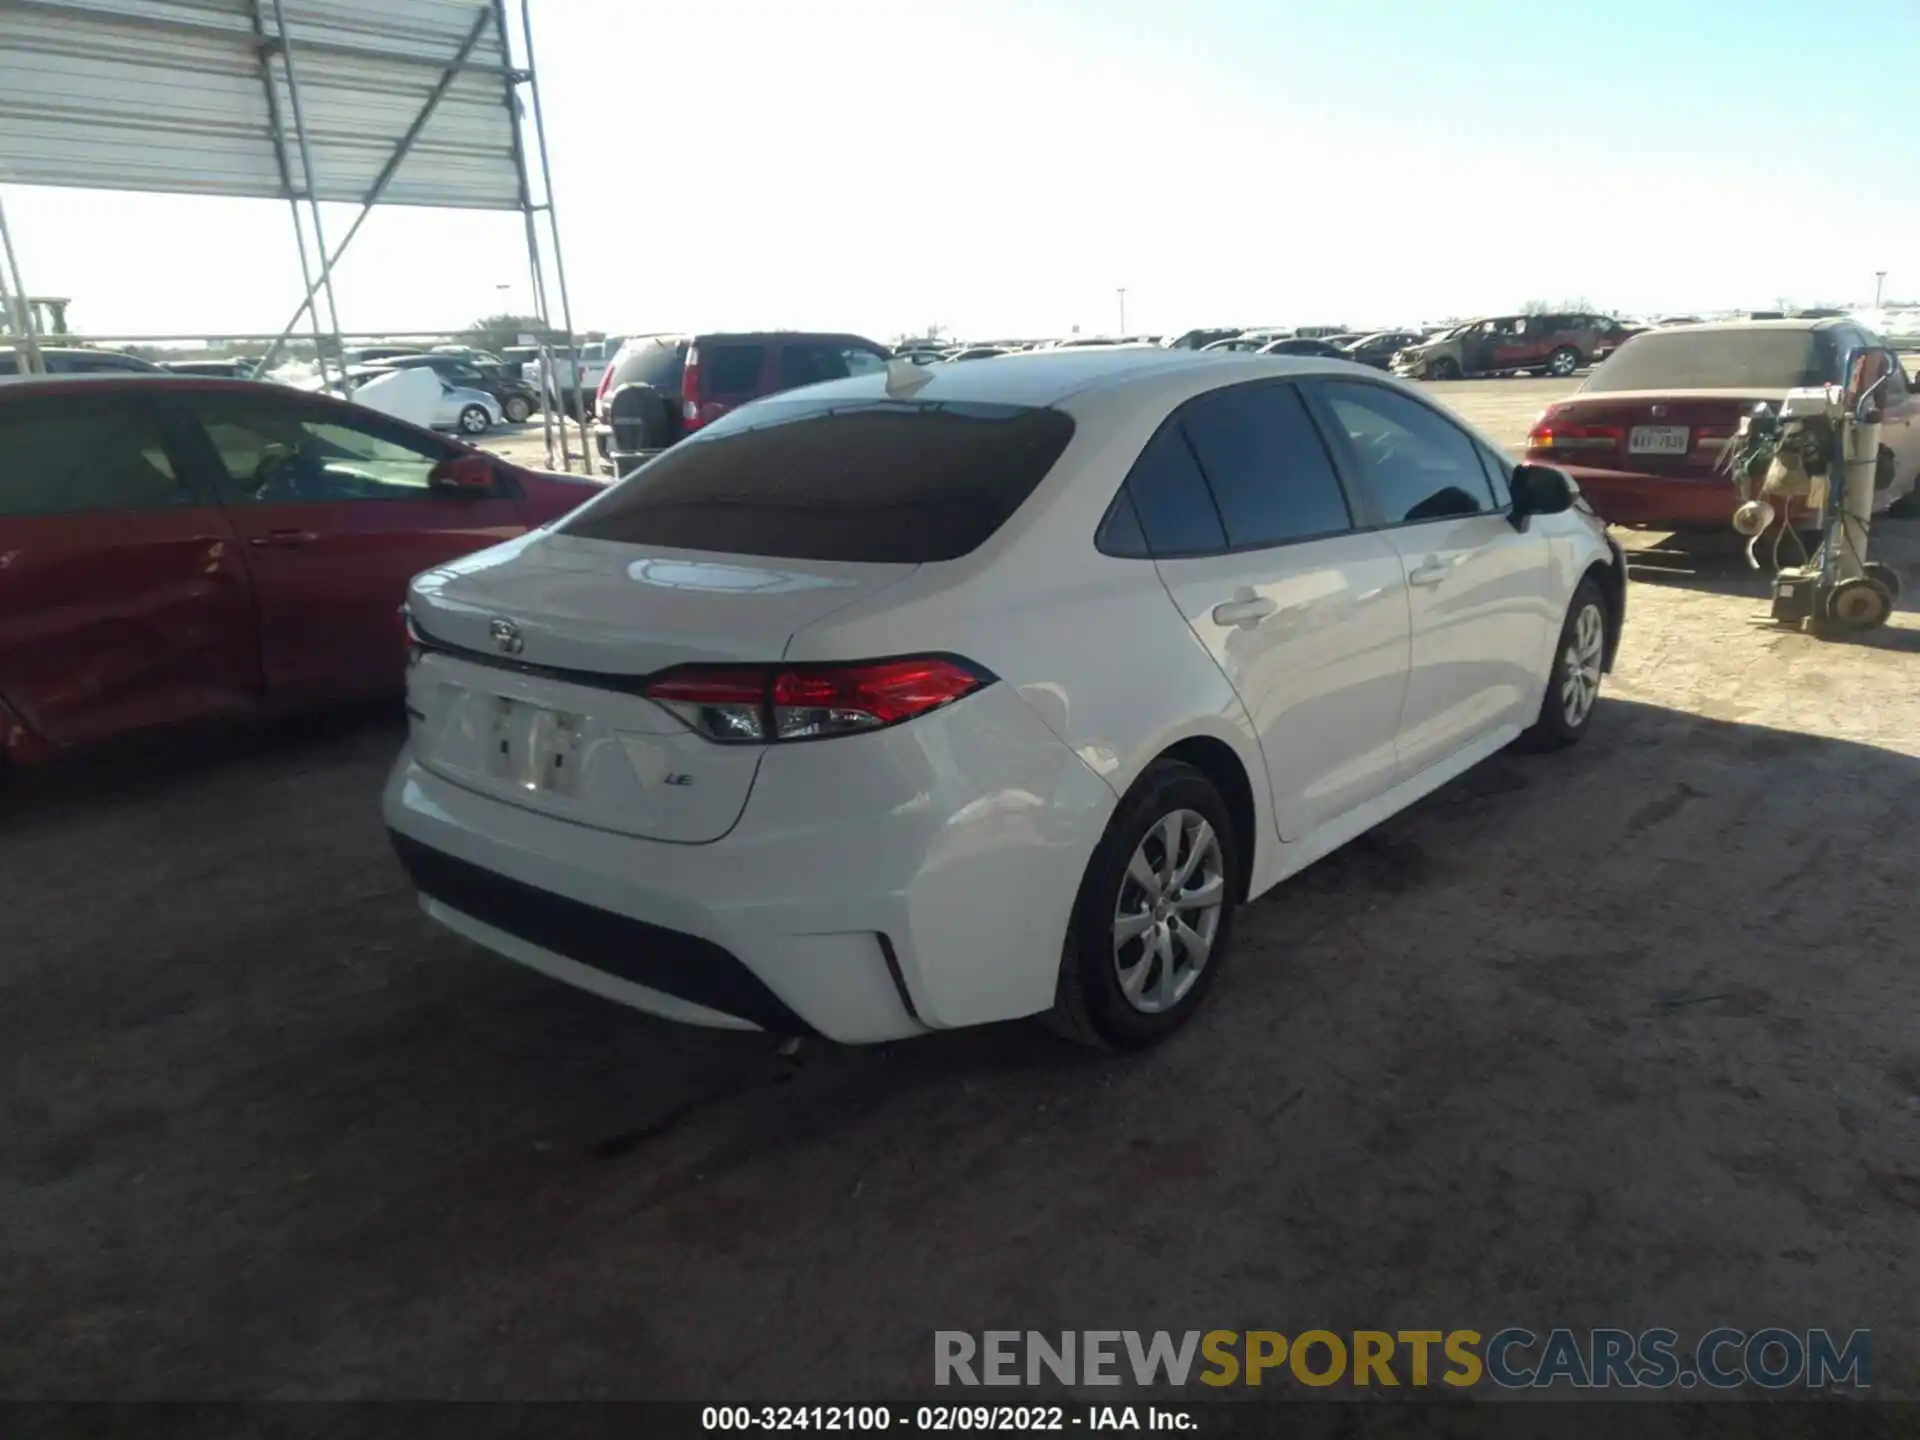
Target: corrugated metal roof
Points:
x,y
169,95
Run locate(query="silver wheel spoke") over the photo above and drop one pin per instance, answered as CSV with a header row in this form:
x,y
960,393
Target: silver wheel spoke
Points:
x,y
1192,942
1169,831
1204,896
1133,980
1163,990
1200,845
1140,870
1131,927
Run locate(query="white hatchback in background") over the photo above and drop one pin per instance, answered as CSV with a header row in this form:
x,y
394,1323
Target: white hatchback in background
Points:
x,y
932,698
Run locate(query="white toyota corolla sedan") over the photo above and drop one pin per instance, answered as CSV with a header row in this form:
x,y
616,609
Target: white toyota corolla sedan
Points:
x,y
937,697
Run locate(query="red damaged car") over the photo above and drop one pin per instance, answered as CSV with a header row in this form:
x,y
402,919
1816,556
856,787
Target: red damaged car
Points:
x,y
1645,433
176,549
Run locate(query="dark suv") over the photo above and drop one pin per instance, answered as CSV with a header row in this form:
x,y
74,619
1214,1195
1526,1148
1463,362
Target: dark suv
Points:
x,y
1509,344
660,388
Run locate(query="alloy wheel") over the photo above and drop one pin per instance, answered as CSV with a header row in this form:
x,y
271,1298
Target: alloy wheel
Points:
x,y
1580,664
1168,911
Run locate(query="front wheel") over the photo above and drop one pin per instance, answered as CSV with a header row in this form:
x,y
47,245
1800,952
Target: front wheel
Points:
x,y
1563,362
1154,916
517,408
1444,369
1573,684
474,420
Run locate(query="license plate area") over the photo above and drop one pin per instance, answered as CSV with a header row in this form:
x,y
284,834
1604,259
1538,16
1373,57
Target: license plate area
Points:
x,y
1657,440
534,748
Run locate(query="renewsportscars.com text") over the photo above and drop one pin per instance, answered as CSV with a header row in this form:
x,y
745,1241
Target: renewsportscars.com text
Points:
x,y
1513,1358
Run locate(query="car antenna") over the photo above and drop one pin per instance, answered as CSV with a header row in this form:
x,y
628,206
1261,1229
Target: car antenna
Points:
x,y
905,379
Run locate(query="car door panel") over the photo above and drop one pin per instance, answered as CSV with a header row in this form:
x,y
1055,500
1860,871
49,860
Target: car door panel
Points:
x,y
1481,593
1307,618
333,533
1321,666
124,602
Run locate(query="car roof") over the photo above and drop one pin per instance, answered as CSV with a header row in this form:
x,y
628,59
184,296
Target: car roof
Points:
x,y
1048,377
1792,323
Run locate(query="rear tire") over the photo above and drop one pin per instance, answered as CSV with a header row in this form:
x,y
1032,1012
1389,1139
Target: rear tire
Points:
x,y
1153,921
1563,362
1573,683
474,420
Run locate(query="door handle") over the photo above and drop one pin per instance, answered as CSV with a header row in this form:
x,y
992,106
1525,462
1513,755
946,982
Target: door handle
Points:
x,y
283,539
1245,611
1430,571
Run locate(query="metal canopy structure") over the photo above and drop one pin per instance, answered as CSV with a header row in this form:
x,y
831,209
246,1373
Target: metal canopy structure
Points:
x,y
396,102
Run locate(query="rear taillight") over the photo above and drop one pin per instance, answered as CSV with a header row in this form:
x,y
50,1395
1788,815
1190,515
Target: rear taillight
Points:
x,y
409,635
690,388
756,705
1550,432
600,394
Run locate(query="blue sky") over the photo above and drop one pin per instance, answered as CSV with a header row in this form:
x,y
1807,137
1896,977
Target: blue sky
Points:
x,y
1001,168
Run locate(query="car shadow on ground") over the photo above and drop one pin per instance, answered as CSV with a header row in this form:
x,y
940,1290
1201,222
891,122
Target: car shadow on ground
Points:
x,y
270,1132
1717,564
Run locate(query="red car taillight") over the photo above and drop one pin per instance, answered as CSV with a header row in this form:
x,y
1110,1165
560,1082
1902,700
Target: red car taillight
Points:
x,y
755,705
600,393
1551,433
690,388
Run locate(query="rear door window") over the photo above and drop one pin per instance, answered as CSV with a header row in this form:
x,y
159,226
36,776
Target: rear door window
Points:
x,y
731,370
878,481
653,362
71,454
805,362
1729,359
1169,503
1266,465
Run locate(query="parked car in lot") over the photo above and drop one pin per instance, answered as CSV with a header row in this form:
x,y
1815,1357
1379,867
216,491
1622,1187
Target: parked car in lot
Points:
x,y
452,407
75,360
179,549
570,388
233,367
517,399
1644,434
1201,339
1379,348
979,352
662,387
1302,345
905,703
1512,344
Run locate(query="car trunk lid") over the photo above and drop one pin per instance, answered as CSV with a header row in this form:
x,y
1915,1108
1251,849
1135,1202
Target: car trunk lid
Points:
x,y
532,659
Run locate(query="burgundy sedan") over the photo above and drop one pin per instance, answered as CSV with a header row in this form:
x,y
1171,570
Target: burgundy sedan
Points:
x,y
175,549
1644,436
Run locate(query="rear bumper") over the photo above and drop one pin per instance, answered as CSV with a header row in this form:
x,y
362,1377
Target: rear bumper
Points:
x,y
1624,497
875,887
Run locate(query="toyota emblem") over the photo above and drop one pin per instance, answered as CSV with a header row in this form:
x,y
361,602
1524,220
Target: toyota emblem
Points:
x,y
506,635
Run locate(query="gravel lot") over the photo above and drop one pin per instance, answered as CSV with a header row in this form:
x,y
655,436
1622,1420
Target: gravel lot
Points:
x,y
1622,1037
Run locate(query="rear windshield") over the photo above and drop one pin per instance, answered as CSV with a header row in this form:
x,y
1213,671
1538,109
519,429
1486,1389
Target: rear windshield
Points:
x,y
652,362
881,480
1715,360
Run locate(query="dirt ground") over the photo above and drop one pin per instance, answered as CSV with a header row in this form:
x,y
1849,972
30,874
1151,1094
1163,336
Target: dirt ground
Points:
x,y
1619,1037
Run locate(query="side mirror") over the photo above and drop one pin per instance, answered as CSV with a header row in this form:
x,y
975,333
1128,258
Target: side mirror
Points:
x,y
469,475
1539,490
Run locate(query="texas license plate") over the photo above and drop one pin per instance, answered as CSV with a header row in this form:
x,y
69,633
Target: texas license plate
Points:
x,y
1657,440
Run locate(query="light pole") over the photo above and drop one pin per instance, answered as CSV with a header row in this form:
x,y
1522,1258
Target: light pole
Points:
x,y
1122,293
1879,279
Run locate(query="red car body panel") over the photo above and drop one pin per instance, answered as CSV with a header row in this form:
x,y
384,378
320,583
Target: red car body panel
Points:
x,y
1588,436
119,620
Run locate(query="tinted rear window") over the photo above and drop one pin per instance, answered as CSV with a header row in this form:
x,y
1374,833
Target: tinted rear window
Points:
x,y
1715,360
881,480
653,363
